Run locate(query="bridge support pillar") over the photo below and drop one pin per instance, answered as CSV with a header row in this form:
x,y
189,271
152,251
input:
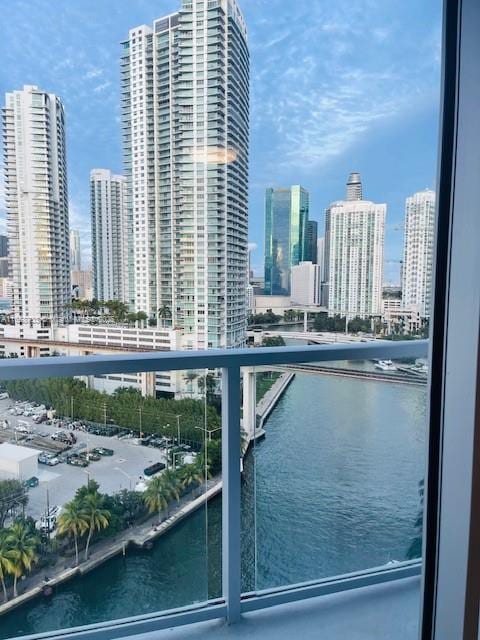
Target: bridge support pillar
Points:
x,y
305,321
148,383
249,402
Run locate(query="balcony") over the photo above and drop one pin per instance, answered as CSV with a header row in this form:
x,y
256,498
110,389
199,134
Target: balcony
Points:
x,y
384,598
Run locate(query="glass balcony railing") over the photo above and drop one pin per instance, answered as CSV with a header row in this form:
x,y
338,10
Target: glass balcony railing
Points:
x,y
316,451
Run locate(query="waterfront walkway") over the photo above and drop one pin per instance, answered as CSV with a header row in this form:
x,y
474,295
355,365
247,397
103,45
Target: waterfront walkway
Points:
x,y
266,405
139,535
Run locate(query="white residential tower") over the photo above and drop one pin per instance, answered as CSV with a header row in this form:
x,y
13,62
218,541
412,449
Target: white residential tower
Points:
x,y
37,205
109,235
418,252
354,246
185,96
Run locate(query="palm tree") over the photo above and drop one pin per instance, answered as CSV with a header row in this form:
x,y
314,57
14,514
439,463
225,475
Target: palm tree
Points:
x,y
191,474
156,495
95,516
209,382
73,522
172,483
190,376
164,313
6,561
141,318
23,544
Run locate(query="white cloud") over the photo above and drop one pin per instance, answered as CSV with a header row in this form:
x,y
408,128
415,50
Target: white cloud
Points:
x,y
93,73
316,96
101,87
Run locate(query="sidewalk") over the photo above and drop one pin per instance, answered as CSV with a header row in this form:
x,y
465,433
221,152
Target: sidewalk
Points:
x,y
270,399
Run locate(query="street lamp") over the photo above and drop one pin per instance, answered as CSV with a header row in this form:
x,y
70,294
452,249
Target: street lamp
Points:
x,y
209,431
178,427
88,477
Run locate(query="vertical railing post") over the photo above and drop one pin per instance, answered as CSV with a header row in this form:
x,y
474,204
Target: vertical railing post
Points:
x,y
231,554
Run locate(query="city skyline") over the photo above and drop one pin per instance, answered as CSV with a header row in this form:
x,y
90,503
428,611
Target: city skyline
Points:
x,y
309,143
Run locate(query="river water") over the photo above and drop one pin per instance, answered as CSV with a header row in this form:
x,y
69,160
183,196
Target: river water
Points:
x,y
333,488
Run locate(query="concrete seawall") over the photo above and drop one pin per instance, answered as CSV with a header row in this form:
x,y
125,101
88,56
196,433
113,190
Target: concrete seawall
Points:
x,y
270,399
138,536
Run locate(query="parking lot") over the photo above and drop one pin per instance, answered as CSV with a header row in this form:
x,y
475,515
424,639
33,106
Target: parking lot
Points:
x,y
58,483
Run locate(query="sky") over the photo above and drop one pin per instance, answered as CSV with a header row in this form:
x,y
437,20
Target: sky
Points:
x,y
349,85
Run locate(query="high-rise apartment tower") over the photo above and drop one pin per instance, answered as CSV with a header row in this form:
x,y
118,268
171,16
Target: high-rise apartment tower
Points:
x,y
354,246
185,96
37,205
418,252
109,235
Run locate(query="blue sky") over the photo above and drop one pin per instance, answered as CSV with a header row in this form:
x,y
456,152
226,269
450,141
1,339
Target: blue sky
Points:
x,y
335,87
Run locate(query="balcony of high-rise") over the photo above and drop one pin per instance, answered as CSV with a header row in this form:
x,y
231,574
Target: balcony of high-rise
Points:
x,y
167,472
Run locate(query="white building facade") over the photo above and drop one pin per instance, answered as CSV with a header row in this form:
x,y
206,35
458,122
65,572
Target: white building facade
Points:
x,y
109,235
354,248
82,285
185,96
418,251
84,339
37,205
306,284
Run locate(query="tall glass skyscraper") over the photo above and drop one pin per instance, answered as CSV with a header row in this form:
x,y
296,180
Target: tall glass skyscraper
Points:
x,y
286,217
311,241
185,97
75,251
37,205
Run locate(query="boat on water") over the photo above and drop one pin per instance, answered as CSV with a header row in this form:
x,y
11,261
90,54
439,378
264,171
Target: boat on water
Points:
x,y
385,365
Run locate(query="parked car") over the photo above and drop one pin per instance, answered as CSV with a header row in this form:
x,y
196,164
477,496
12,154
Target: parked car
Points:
x,y
154,468
103,451
31,482
77,461
91,456
24,427
4,396
57,435
52,462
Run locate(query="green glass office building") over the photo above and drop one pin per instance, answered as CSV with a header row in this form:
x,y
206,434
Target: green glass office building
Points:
x,y
286,218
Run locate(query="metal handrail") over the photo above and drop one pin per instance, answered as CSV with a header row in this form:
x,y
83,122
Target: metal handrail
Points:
x,y
21,368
